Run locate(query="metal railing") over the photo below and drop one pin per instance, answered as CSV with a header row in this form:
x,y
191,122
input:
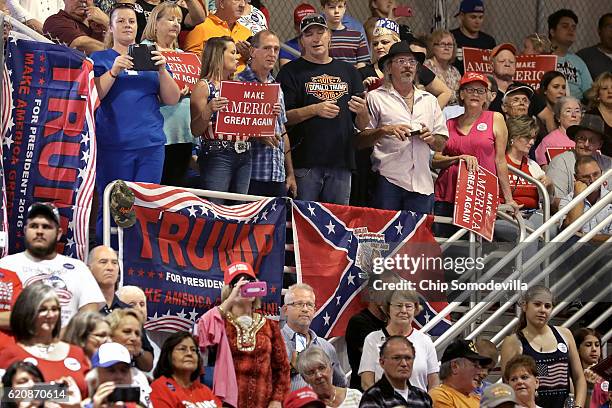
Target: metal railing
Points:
x,y
460,325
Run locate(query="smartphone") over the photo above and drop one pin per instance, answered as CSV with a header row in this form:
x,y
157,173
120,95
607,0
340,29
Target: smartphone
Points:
x,y
416,129
254,289
402,11
141,54
124,393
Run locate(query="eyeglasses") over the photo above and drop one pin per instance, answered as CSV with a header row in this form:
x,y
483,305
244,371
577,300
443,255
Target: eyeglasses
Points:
x,y
572,111
444,45
100,335
301,305
186,350
521,101
406,61
585,140
399,359
407,306
478,91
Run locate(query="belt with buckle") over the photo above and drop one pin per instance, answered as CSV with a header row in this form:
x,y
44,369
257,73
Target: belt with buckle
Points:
x,y
239,146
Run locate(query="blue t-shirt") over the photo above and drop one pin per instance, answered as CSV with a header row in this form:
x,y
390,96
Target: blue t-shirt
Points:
x,y
576,72
293,43
128,117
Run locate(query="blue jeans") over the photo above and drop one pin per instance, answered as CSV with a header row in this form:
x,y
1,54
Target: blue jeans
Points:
x,y
144,165
324,184
222,169
389,196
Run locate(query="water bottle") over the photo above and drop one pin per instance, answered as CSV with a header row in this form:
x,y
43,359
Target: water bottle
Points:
x,y
569,401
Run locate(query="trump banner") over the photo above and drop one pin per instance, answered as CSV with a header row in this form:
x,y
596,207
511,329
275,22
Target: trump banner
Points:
x,y
250,109
529,68
50,147
341,252
181,244
476,201
185,68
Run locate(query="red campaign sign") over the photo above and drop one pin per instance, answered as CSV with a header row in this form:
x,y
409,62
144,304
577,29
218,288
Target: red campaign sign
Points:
x,y
185,68
551,152
476,200
250,109
529,68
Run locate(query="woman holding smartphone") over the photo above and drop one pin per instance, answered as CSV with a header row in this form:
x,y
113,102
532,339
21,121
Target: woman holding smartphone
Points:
x,y
129,124
254,351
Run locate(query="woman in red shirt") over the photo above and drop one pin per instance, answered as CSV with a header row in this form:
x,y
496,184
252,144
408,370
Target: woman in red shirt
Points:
x,y
522,131
176,375
35,323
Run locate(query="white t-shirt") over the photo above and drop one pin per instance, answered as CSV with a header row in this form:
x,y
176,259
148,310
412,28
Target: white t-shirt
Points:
x,y
72,280
425,361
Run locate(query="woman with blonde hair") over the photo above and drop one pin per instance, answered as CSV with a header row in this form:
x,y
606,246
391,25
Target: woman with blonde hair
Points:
x,y
129,125
225,161
441,53
163,28
536,44
600,104
552,347
401,307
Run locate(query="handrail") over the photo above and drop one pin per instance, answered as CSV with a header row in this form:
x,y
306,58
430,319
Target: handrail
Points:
x,y
21,28
590,304
605,315
290,50
606,337
543,192
106,223
585,263
531,238
532,262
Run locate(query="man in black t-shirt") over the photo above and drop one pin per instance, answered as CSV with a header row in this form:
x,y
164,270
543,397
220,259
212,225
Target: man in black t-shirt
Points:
x,y
324,102
471,15
503,59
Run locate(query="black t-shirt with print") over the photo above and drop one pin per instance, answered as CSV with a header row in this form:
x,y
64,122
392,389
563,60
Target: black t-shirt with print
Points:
x,y
143,11
318,141
484,42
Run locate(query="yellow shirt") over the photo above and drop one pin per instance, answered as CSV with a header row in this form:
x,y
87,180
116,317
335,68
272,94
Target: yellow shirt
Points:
x,y
213,26
444,396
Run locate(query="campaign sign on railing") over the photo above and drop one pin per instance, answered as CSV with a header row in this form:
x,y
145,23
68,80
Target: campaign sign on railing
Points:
x,y
250,109
529,68
551,152
476,201
185,67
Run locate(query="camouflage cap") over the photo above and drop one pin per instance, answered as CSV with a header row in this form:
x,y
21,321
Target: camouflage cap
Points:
x,y
122,205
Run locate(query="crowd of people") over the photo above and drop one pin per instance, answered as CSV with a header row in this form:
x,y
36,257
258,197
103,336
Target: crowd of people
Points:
x,y
68,325
365,113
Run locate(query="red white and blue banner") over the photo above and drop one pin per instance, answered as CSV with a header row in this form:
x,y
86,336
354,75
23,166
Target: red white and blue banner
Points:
x,y
180,245
336,248
49,151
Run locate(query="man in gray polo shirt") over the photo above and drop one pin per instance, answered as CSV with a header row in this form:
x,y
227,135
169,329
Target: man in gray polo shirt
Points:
x,y
299,309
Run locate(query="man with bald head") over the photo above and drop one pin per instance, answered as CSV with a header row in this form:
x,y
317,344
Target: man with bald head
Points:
x,y
104,265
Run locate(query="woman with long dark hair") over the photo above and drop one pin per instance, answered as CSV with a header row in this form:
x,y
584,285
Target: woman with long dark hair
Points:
x,y
225,161
552,347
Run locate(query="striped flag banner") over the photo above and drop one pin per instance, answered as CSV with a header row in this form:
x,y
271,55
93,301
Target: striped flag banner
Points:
x,y
49,147
180,245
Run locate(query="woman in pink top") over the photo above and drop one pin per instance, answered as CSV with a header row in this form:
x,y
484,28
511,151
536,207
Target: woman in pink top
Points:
x,y
479,137
568,112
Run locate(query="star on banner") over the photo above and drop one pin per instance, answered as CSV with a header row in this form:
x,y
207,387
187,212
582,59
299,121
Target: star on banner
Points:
x,y
41,81
82,173
311,209
351,279
338,298
85,157
264,215
39,92
399,228
151,274
326,318
85,138
330,228
273,208
182,314
70,243
193,315
8,141
160,275
192,212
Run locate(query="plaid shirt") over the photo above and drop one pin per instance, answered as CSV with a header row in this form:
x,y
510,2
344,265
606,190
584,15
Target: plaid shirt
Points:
x,y
382,394
268,164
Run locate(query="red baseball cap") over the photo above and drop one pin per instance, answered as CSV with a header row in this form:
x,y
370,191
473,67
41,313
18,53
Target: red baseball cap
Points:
x,y
301,397
503,46
470,77
302,11
237,269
